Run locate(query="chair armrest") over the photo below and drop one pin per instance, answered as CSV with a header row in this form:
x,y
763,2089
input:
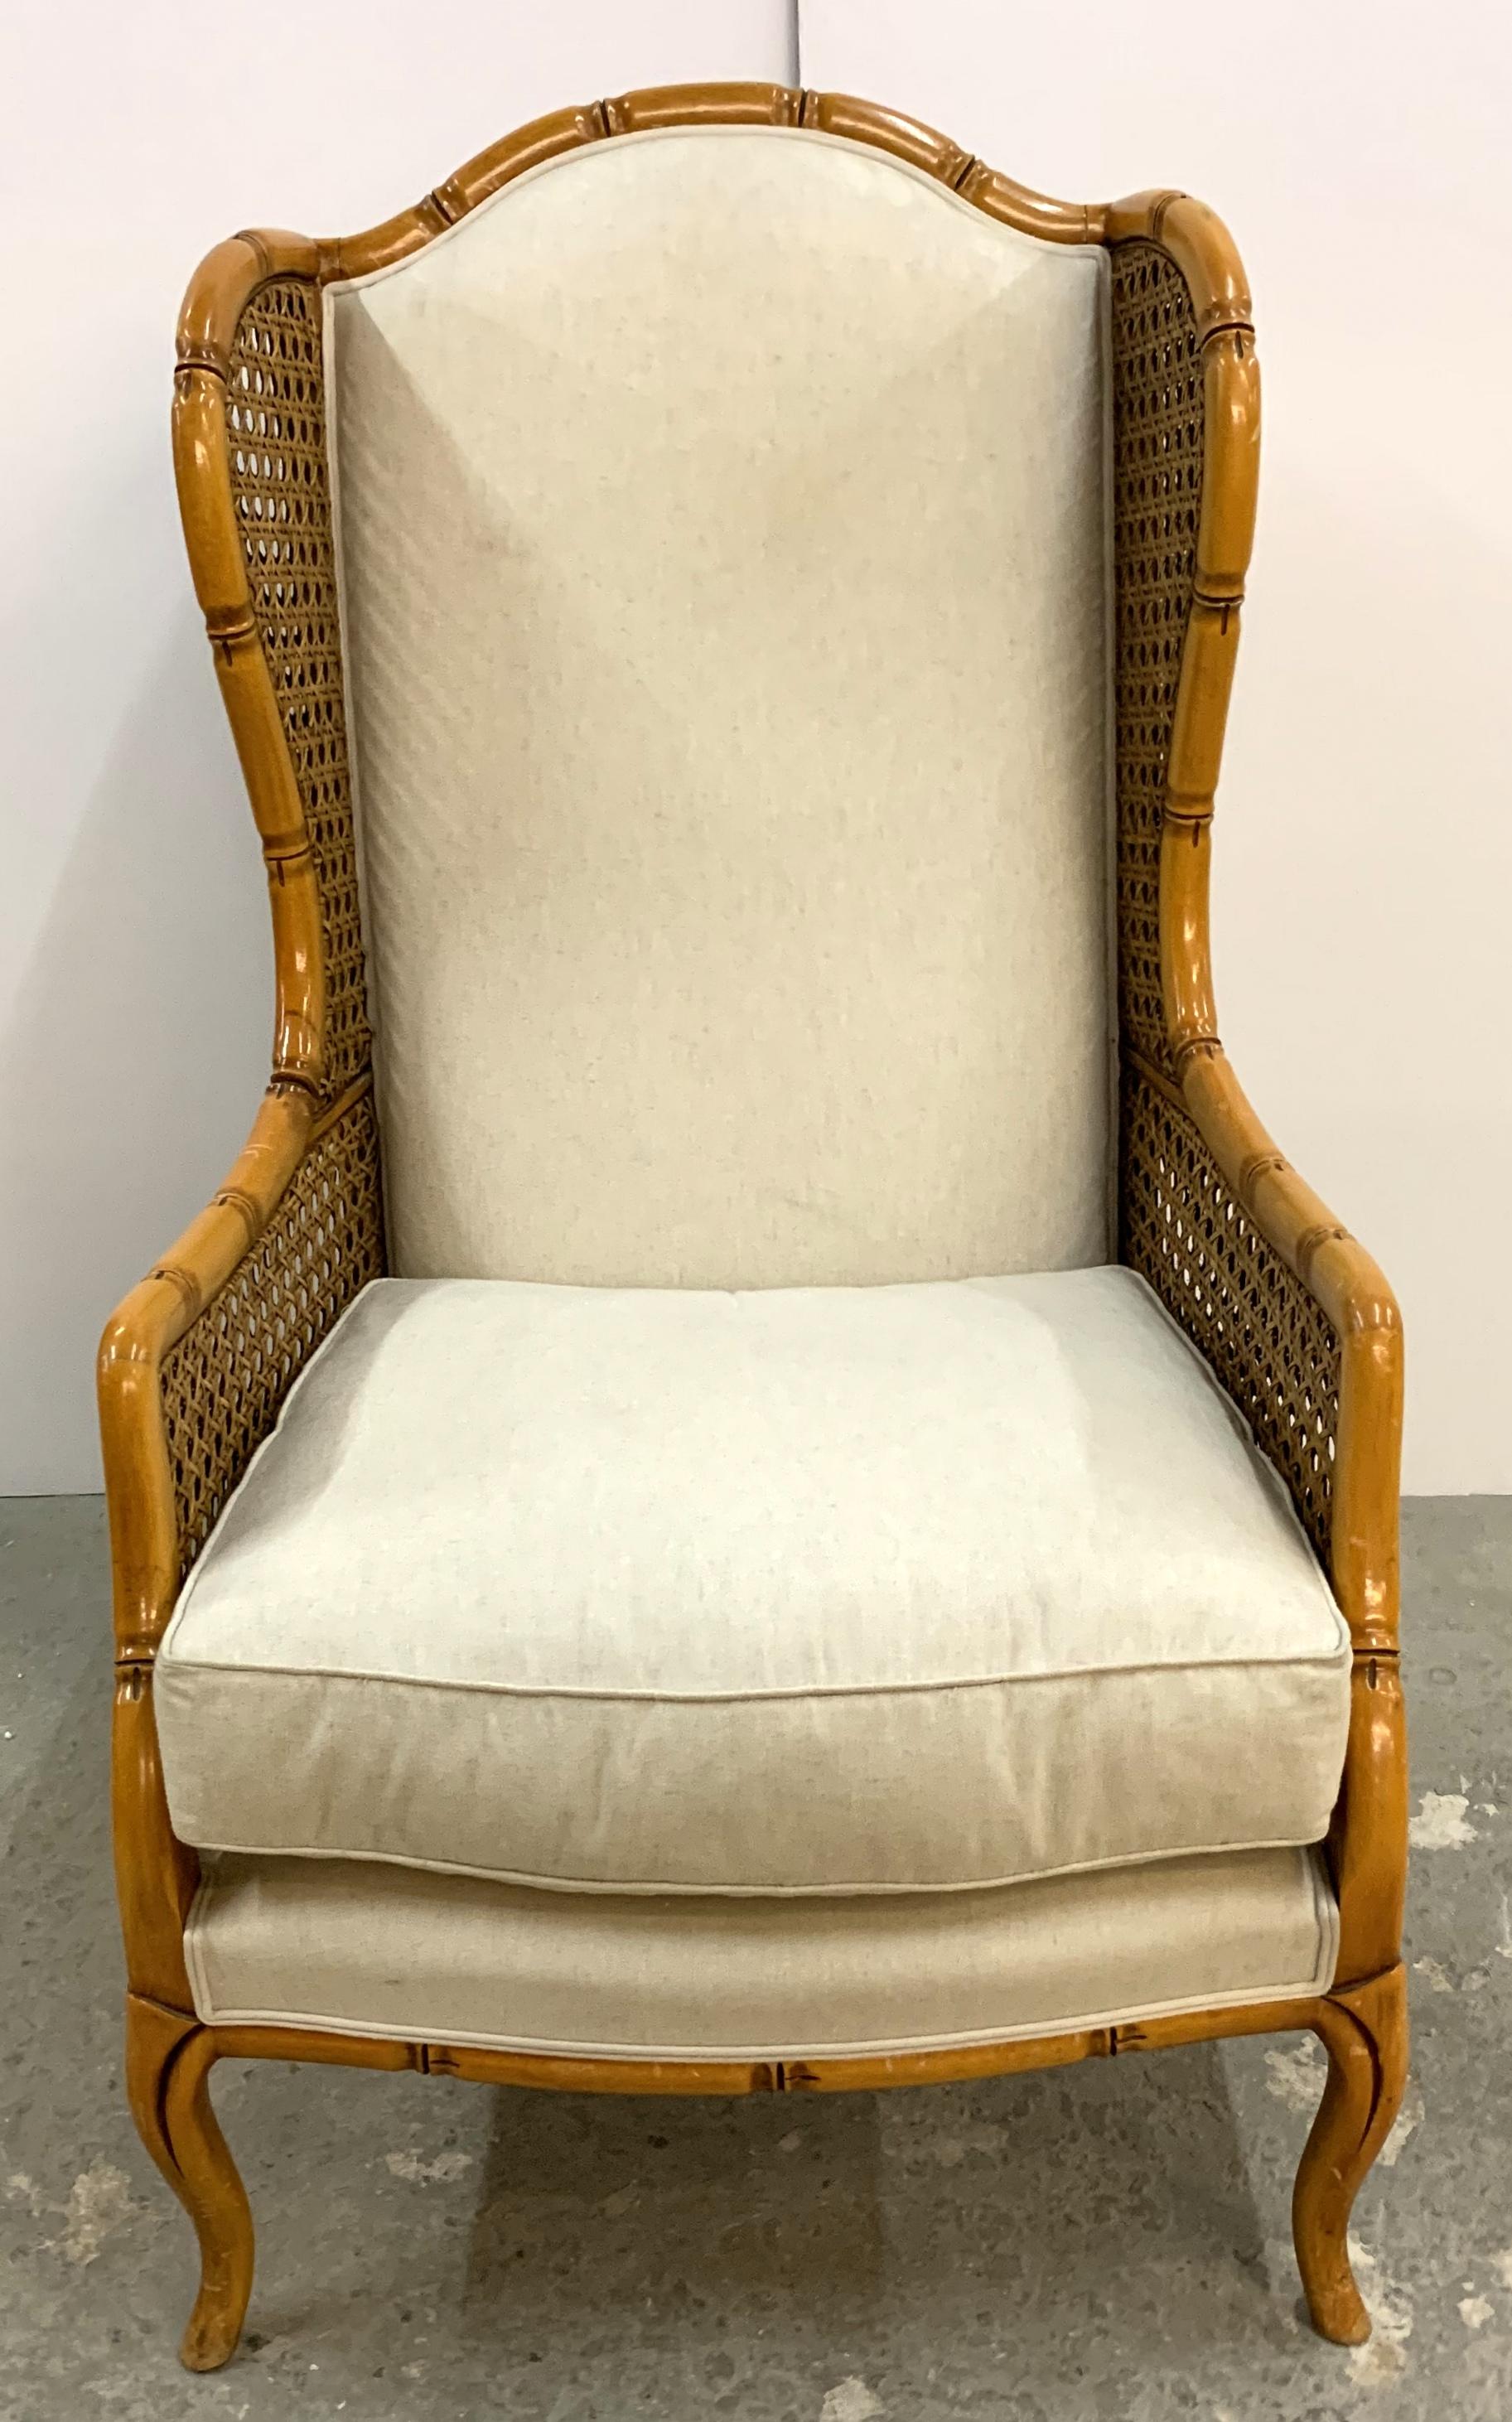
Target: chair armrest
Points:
x,y
1299,1325
196,1362
1293,1315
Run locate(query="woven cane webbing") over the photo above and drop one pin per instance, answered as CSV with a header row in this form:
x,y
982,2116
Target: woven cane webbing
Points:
x,y
225,1380
275,436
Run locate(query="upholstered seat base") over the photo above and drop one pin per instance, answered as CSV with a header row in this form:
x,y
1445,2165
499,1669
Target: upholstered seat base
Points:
x,y
354,1947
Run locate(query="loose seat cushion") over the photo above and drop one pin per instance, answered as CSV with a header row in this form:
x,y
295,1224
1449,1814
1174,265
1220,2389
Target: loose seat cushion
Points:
x,y
389,1951
723,527
799,1591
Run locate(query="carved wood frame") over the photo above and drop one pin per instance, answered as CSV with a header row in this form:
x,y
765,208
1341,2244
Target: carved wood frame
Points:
x,y
315,1130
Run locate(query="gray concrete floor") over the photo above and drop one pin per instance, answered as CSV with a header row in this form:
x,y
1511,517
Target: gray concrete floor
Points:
x,y
1109,2240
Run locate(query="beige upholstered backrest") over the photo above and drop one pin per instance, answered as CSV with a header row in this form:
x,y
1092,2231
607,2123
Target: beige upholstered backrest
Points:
x,y
722,521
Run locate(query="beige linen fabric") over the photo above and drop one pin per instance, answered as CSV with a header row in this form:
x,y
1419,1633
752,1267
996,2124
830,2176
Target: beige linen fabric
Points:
x,y
386,1951
722,529
827,1590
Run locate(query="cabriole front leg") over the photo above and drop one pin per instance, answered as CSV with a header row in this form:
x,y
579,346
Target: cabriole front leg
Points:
x,y
169,2052
1364,2031
168,2059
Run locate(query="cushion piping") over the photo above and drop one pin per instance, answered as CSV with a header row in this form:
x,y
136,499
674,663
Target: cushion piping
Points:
x,y
1338,1654
657,1890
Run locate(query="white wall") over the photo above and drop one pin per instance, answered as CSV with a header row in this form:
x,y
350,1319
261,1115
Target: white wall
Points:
x,y
134,966
1363,886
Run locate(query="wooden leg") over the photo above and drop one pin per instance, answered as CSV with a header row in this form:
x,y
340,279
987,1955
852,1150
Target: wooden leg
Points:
x,y
1363,2030
168,2060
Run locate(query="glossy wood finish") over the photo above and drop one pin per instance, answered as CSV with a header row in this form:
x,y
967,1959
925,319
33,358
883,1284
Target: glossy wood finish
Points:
x,y
1364,2031
169,2056
1370,1837
554,2072
169,2053
168,2060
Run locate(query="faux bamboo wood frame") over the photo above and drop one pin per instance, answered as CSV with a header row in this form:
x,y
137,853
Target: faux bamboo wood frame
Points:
x,y
1293,1314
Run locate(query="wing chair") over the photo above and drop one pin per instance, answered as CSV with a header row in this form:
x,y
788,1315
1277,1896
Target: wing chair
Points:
x,y
760,1479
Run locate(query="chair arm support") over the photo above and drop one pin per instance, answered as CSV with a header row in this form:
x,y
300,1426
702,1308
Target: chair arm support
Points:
x,y
1294,1316
193,1369
1351,1293
1301,1328
196,1362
